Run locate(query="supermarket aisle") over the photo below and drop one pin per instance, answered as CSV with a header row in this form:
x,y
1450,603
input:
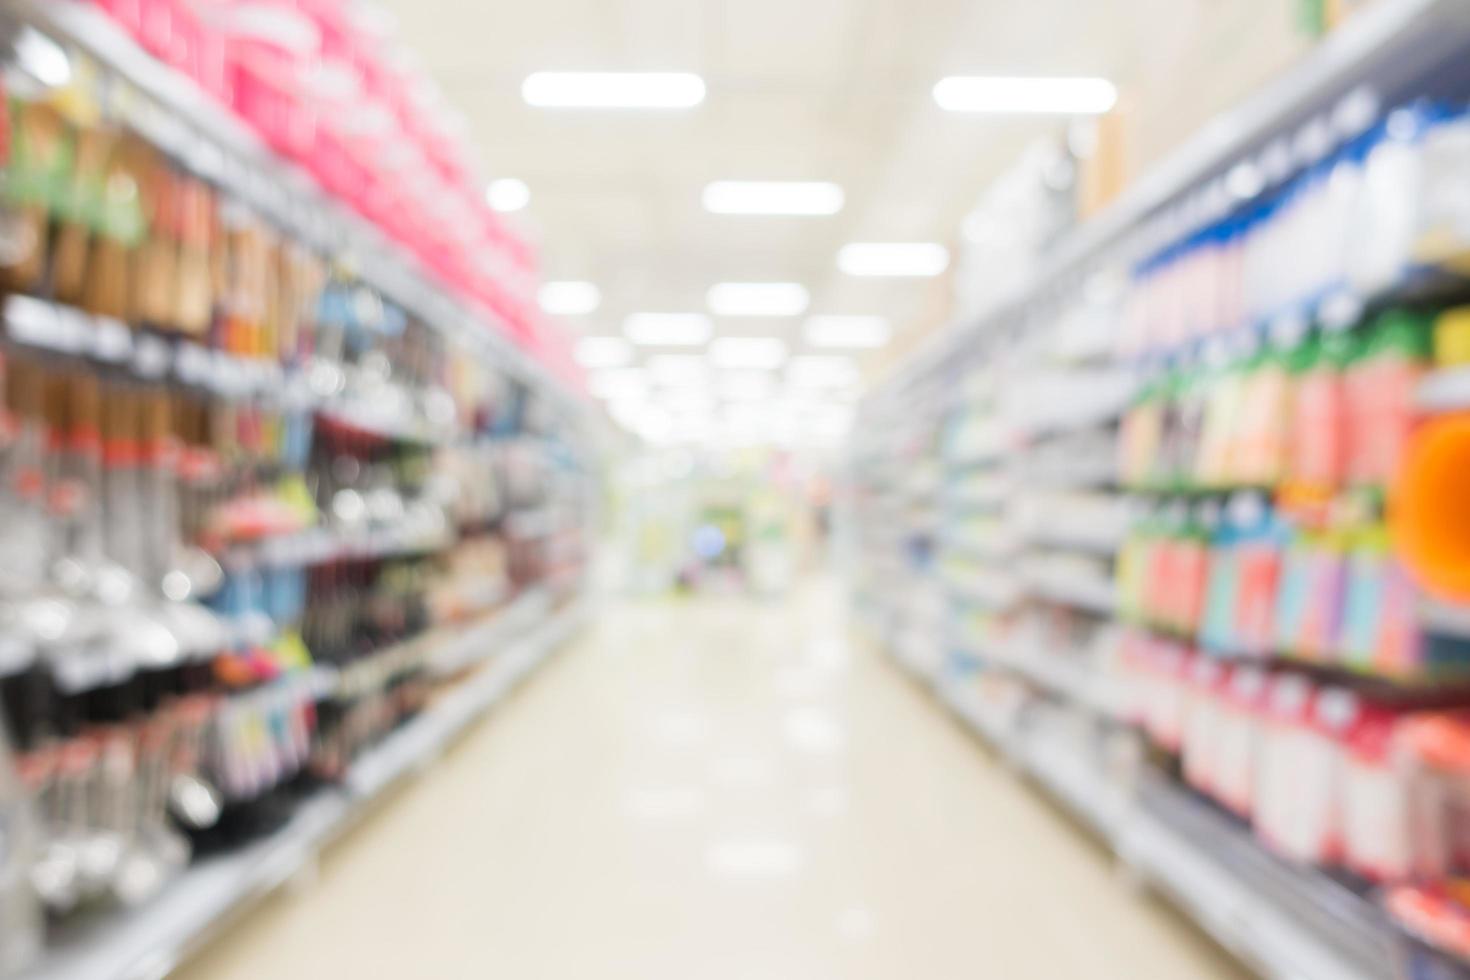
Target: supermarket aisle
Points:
x,y
715,789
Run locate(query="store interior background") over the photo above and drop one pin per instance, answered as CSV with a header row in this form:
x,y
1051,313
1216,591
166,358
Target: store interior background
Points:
x,y
836,91
658,583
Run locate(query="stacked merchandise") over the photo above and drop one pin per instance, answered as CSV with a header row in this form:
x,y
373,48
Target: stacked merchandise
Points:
x,y
1278,646
246,500
1233,516
321,84
896,509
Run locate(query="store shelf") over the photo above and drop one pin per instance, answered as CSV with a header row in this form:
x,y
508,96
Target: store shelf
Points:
x,y
1100,539
1447,390
1066,768
177,116
319,546
1085,594
1048,754
1066,676
148,942
1285,921
1445,618
1383,50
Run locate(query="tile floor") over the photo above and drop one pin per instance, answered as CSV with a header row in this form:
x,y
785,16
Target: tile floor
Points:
x,y
718,789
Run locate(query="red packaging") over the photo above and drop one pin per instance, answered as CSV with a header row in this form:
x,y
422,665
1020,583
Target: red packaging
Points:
x,y
1378,833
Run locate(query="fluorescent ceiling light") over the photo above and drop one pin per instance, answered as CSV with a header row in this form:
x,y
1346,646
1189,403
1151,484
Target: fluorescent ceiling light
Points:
x,y
43,58
758,299
998,94
893,259
792,197
569,298
668,329
507,194
604,352
613,90
618,383
851,332
746,386
678,369
747,352
822,371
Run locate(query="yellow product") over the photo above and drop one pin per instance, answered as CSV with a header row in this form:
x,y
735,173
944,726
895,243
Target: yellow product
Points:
x,y
1452,338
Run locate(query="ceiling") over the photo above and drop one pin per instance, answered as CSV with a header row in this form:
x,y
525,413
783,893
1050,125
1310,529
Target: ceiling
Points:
x,y
833,90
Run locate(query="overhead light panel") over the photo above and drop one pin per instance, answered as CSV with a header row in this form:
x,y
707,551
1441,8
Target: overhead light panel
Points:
x,y
916,259
42,58
747,352
508,194
822,371
773,197
668,329
746,386
1003,94
678,369
849,332
618,383
569,298
604,352
612,90
758,299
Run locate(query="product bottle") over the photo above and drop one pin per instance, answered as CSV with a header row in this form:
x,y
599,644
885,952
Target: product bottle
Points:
x,y
1380,379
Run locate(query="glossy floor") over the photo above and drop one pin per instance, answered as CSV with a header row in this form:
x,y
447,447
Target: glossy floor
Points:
x,y
718,789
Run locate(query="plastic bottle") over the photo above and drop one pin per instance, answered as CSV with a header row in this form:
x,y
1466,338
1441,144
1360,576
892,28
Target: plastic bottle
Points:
x,y
1317,457
1380,377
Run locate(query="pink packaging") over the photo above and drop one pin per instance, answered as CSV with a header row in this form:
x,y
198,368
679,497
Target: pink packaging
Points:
x,y
1239,743
1132,662
1166,703
270,48
1203,708
1285,714
1310,794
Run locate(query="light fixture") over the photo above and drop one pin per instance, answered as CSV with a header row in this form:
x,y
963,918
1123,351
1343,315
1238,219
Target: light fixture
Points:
x,y
746,386
693,399
604,352
773,197
850,332
569,298
668,329
507,194
612,90
918,259
43,58
822,371
747,352
758,299
1003,94
625,383
678,369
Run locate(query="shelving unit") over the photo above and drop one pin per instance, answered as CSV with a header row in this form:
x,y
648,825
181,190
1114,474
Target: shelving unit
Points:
x,y
1284,921
150,941
183,121
341,435
1024,672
